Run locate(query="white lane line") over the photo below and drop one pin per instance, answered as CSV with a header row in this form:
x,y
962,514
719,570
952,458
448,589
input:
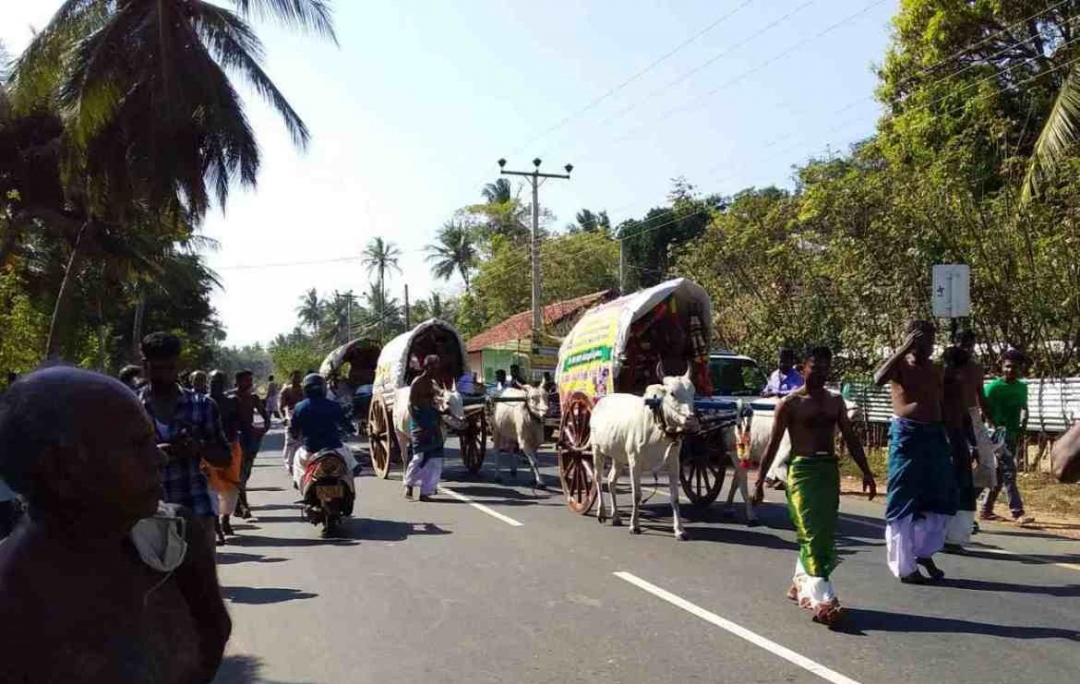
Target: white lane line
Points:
x,y
739,631
1030,559
481,507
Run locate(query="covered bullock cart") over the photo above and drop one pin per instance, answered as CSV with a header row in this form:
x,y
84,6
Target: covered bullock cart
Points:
x,y
353,386
622,347
399,362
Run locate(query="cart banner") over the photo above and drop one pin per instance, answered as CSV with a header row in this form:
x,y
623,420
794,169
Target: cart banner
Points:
x,y
585,359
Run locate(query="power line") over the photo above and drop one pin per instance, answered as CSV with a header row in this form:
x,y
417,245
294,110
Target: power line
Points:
x,y
681,78
287,264
615,89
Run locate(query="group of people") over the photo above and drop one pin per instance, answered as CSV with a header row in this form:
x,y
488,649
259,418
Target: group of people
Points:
x,y
940,455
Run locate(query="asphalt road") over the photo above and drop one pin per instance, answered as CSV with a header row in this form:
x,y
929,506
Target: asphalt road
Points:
x,y
526,591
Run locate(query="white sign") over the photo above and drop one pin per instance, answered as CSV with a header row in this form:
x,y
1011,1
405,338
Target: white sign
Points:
x,y
951,294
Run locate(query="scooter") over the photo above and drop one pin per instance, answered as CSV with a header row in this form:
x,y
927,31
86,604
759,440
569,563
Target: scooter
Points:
x,y
327,490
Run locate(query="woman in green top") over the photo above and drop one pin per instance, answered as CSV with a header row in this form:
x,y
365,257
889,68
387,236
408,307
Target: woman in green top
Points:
x,y
1006,400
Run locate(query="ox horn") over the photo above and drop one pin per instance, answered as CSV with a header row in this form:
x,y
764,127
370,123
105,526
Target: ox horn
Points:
x,y
689,367
660,375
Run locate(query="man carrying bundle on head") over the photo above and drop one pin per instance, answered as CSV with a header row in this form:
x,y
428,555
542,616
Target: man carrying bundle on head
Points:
x,y
811,415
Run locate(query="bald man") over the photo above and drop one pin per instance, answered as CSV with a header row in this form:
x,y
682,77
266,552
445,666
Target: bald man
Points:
x,y
92,601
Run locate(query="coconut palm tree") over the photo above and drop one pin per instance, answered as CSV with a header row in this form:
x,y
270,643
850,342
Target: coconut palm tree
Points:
x,y
151,115
1059,135
498,192
310,311
454,251
379,257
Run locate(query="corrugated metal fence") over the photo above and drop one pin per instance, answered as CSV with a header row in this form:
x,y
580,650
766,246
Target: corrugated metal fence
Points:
x,y
1053,405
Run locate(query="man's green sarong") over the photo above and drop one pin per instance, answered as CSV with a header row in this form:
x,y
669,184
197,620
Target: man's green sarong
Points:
x,y
813,496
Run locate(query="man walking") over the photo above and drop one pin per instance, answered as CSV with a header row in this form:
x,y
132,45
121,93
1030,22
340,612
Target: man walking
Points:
x,y
922,488
188,428
973,378
785,379
425,467
1006,399
291,395
225,482
250,437
272,398
958,426
811,415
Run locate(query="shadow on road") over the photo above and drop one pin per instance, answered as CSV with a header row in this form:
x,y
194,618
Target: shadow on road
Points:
x,y
258,596
245,669
859,621
371,529
229,558
1066,591
260,540
1026,559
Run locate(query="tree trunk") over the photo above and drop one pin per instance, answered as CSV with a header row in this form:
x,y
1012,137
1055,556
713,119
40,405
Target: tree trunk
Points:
x,y
7,243
137,328
63,298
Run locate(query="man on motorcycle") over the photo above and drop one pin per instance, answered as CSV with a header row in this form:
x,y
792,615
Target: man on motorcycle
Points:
x,y
317,422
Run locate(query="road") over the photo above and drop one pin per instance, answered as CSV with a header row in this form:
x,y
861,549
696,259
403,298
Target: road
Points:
x,y
525,591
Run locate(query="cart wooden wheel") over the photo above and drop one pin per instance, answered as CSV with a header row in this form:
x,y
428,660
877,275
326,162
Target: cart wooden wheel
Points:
x,y
702,470
473,441
575,460
380,437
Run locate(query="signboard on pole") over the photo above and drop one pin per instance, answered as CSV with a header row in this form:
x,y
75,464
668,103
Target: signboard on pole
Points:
x,y
950,296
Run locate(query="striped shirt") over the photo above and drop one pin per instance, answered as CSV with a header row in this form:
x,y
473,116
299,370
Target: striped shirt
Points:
x,y
183,481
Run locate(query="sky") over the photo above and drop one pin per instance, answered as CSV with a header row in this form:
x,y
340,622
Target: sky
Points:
x,y
411,110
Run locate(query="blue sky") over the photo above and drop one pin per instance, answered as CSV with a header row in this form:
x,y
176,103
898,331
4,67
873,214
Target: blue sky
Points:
x,y
411,112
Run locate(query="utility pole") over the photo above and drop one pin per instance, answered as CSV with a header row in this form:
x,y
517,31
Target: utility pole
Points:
x,y
348,316
408,313
534,177
622,267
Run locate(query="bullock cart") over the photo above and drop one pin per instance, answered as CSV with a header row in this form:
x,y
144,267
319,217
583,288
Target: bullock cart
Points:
x,y
362,356
398,364
624,346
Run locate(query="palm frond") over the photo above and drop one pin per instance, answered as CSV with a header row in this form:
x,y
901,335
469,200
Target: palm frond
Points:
x,y
1059,135
313,15
238,49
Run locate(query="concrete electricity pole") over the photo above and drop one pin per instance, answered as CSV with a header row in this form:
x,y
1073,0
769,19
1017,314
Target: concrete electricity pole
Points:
x,y
534,177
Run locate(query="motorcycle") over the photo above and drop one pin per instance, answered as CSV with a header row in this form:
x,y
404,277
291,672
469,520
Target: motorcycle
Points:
x,y
327,490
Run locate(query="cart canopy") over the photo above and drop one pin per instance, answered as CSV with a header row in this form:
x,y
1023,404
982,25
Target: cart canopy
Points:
x,y
395,370
361,354
620,346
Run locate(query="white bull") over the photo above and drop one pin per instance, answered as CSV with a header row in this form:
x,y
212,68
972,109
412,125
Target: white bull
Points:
x,y
633,434
761,425
447,402
522,422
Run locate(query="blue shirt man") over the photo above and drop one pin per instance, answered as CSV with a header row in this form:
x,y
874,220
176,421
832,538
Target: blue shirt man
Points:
x,y
785,379
319,421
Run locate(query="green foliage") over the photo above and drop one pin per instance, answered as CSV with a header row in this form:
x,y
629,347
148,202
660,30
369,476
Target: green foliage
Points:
x,y
571,265
24,327
453,252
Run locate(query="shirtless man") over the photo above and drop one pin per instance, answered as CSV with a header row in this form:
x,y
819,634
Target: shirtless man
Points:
x,y
425,467
250,437
922,487
811,416
974,398
85,605
291,395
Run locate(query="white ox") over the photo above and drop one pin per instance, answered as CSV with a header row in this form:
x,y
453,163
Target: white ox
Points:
x,y
520,421
633,434
761,425
447,401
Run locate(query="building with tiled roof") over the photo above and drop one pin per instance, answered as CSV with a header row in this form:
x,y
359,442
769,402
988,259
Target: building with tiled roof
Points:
x,y
510,341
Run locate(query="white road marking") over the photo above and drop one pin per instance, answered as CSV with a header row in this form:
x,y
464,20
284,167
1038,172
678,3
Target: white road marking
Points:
x,y
481,507
1031,559
739,631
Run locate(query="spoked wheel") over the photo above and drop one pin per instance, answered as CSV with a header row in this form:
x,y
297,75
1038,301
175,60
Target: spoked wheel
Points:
x,y
575,460
380,437
703,464
474,441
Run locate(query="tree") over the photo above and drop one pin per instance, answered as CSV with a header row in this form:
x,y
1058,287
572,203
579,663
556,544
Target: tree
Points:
x,y
379,257
151,116
454,251
498,192
384,315
310,310
588,222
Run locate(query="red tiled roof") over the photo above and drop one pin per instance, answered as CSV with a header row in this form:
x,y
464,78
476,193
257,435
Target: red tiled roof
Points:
x,y
519,326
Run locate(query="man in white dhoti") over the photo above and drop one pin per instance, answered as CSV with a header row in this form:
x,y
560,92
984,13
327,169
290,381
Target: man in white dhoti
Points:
x,y
426,438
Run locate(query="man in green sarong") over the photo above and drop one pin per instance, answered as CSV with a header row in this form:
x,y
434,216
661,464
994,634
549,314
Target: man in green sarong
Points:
x,y
811,415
